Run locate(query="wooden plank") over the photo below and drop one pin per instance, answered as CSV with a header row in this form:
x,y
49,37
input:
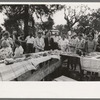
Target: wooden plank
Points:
x,y
44,71
64,78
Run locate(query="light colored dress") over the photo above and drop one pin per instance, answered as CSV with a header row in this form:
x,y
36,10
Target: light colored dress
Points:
x,y
6,53
91,46
39,44
80,44
72,45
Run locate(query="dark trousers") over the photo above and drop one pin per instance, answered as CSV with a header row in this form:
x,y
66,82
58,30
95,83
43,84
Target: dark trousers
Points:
x,y
29,48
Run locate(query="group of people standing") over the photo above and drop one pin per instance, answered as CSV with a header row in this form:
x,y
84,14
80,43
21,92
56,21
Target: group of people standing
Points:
x,y
76,43
83,44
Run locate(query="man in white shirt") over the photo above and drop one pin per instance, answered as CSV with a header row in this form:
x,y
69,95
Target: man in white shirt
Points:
x,y
39,42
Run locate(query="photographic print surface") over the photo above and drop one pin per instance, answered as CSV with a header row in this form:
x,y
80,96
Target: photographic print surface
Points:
x,y
50,42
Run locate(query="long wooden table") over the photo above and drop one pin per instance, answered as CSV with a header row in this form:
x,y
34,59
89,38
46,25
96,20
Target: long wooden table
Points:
x,y
88,63
15,70
85,63
72,60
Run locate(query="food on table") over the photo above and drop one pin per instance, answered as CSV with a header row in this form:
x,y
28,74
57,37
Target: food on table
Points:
x,y
9,61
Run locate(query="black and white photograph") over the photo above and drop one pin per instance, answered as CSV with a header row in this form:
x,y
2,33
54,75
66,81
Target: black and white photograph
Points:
x,y
58,42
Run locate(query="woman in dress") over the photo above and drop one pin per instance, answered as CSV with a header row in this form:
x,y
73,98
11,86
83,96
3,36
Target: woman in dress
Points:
x,y
91,44
30,43
6,37
6,51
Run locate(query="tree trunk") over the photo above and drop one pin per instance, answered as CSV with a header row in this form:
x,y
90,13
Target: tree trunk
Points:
x,y
26,18
33,22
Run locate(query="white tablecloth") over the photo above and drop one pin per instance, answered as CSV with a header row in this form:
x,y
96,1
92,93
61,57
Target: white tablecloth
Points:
x,y
90,64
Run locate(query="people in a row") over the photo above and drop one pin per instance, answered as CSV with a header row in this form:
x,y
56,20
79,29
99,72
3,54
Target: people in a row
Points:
x,y
77,43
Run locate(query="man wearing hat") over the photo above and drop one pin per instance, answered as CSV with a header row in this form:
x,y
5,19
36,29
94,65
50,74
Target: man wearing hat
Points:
x,y
39,42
